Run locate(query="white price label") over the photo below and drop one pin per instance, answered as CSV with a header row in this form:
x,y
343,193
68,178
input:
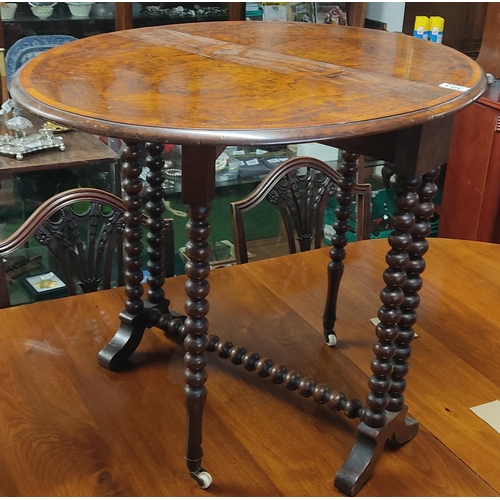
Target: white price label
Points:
x,y
454,87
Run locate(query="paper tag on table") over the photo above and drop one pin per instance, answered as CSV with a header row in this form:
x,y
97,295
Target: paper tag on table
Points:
x,y
490,413
451,86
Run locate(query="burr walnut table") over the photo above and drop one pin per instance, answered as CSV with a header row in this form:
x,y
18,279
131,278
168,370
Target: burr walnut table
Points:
x,y
209,85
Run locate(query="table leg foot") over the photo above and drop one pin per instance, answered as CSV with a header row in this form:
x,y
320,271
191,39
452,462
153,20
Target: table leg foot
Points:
x,y
335,272
404,433
129,335
202,477
123,344
358,467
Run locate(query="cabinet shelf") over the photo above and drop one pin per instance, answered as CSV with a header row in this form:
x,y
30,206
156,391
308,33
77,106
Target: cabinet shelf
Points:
x,y
30,18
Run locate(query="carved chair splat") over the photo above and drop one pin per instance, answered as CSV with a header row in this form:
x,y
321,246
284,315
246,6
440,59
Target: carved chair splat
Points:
x,y
301,200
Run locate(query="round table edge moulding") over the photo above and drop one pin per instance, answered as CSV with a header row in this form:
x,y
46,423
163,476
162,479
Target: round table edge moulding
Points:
x,y
241,137
219,136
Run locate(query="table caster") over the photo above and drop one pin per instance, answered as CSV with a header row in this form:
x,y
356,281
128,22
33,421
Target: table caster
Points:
x,y
331,338
203,478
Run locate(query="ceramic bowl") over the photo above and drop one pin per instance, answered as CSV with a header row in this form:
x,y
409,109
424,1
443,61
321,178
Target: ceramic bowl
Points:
x,y
79,9
7,12
101,9
42,11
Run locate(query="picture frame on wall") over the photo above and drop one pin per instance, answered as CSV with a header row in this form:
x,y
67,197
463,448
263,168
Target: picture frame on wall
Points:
x,y
301,12
274,12
331,13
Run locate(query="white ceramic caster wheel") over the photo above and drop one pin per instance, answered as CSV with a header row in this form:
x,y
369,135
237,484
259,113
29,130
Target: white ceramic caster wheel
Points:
x,y
331,340
62,148
206,479
203,478
19,156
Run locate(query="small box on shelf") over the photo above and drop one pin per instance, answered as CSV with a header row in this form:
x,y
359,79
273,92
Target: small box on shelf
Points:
x,y
44,286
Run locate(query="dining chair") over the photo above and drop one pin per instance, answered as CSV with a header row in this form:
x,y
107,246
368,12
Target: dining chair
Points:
x,y
300,188
82,229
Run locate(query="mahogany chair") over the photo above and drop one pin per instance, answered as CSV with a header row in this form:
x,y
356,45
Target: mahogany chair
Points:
x,y
301,199
300,188
83,231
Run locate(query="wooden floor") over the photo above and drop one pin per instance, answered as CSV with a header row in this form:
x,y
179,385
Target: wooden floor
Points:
x,y
68,427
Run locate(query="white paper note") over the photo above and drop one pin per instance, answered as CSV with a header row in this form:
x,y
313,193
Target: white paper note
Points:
x,y
490,413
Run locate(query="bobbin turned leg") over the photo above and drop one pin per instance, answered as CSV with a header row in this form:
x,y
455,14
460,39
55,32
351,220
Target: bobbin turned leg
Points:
x,y
379,425
198,190
139,315
416,265
339,241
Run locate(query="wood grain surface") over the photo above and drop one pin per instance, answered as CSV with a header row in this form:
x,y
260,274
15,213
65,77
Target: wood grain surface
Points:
x,y
70,427
246,83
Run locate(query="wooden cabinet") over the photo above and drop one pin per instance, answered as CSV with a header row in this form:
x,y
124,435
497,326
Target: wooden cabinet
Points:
x,y
463,26
470,207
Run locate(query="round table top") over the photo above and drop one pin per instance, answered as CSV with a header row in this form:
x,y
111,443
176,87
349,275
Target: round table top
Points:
x,y
246,83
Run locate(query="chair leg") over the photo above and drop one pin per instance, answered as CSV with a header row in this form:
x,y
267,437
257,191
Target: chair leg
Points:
x,y
348,171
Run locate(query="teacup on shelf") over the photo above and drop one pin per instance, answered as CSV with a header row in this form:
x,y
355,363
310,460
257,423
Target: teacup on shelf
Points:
x,y
7,11
42,11
79,9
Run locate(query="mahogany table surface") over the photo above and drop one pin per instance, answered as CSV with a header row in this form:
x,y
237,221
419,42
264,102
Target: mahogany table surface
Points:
x,y
246,83
70,427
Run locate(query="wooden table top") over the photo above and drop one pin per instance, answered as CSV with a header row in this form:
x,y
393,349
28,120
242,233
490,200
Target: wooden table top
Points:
x,y
246,83
81,149
68,427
